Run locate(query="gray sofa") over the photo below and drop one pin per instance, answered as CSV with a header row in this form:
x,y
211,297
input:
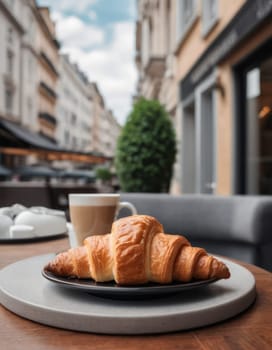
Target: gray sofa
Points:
x,y
239,227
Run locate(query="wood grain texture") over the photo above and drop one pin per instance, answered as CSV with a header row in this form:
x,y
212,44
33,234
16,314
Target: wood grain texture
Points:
x,y
249,330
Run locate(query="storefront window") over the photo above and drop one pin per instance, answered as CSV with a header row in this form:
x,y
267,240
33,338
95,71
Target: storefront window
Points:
x,y
259,129
199,140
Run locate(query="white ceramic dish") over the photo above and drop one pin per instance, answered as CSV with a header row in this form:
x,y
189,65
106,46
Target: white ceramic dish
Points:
x,y
30,238
33,224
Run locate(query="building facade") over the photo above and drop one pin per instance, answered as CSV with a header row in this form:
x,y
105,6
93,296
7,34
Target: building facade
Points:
x,y
84,122
74,108
106,129
11,34
29,66
47,48
41,92
223,70
155,43
113,134
156,61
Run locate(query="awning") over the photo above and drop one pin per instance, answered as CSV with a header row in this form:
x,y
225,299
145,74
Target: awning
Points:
x,y
17,140
19,136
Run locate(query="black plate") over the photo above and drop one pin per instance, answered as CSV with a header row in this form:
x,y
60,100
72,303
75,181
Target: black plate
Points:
x,y
113,291
32,239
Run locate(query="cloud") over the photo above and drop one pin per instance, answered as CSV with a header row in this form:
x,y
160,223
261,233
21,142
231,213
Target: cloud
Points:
x,y
92,15
109,63
72,30
111,66
77,7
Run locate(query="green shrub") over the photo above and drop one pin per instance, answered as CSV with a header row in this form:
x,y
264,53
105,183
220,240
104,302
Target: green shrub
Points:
x,y
103,174
146,149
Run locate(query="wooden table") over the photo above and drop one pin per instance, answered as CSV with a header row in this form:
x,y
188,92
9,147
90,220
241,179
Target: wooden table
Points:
x,y
249,330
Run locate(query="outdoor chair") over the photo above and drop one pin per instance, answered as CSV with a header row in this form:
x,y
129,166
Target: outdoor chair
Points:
x,y
238,227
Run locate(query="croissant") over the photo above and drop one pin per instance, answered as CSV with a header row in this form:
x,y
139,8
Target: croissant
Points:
x,y
135,252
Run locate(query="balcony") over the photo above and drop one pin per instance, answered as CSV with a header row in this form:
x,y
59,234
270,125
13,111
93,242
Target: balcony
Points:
x,y
48,63
48,118
138,59
57,43
50,138
9,81
155,66
44,88
138,35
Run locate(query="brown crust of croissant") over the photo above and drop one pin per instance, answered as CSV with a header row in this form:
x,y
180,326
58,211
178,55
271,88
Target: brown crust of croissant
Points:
x,y
135,252
131,242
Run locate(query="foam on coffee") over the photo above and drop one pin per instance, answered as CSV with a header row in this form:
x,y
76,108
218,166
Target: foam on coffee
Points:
x,y
93,199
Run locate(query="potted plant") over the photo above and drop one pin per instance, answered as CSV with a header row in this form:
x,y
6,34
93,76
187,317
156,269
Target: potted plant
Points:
x,y
146,149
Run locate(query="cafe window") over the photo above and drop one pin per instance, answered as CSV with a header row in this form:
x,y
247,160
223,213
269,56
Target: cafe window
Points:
x,y
253,123
259,128
209,15
199,140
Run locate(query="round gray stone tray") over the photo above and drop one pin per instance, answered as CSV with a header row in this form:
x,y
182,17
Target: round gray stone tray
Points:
x,y
25,292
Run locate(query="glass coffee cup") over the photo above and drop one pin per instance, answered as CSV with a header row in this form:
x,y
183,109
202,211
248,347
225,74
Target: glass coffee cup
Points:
x,y
93,214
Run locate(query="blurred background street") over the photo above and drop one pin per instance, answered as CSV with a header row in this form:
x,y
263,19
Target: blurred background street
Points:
x,y
71,73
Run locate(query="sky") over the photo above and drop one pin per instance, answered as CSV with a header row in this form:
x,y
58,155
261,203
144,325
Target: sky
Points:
x,y
99,35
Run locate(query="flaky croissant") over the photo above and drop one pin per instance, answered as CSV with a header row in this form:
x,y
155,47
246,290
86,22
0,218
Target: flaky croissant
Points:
x,y
135,252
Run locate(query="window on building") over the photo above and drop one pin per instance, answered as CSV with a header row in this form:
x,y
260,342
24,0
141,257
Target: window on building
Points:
x,y
186,14
146,40
66,137
10,63
10,3
31,31
30,69
168,25
10,35
30,108
73,119
209,15
199,140
9,100
188,11
74,142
